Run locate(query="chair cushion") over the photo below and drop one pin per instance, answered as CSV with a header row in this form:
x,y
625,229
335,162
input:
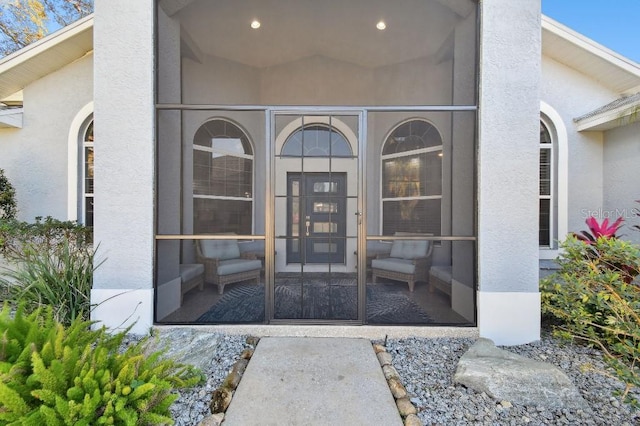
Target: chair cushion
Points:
x,y
375,248
409,249
404,266
443,273
220,249
234,266
256,247
189,271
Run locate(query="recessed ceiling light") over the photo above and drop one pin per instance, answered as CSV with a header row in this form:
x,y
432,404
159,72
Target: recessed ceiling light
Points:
x,y
255,24
381,25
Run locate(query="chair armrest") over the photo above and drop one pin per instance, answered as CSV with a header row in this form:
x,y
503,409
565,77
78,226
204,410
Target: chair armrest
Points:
x,y
422,264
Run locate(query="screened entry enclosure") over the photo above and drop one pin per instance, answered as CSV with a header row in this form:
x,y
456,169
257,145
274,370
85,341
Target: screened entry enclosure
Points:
x,y
313,168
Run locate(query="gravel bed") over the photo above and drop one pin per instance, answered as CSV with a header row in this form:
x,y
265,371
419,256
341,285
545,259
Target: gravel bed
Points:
x,y
427,366
193,404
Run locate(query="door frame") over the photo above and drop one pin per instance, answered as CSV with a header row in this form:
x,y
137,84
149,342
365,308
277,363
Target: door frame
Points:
x,y
307,217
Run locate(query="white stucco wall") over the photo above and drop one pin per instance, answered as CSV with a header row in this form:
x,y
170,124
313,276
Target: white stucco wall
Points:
x,y
621,188
124,165
572,94
508,297
35,157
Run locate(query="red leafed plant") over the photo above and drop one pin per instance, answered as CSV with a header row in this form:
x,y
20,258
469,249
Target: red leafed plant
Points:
x,y
606,231
598,230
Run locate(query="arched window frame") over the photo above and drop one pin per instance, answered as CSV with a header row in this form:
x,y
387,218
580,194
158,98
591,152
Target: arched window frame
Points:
x,y
217,151
86,165
399,155
558,131
75,164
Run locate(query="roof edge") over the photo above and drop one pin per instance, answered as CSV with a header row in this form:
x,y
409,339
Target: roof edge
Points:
x,y
587,44
35,48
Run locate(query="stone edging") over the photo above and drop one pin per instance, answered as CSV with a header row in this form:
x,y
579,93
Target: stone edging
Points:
x,y
407,410
221,397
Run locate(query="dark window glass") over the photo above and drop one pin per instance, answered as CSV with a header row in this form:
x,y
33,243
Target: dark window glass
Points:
x,y
316,141
212,216
545,222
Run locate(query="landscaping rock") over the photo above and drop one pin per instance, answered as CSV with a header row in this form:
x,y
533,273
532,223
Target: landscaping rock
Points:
x,y
412,420
220,400
506,376
405,407
397,389
212,420
384,358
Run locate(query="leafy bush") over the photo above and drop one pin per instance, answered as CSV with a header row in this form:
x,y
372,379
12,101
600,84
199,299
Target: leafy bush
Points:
x,y
591,299
20,240
62,281
54,375
53,264
8,207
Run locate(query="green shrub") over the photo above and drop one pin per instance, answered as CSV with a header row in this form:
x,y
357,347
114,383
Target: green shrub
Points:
x,y
589,299
8,207
52,264
20,240
52,375
62,280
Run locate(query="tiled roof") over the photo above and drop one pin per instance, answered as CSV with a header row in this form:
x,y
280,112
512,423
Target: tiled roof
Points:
x,y
620,102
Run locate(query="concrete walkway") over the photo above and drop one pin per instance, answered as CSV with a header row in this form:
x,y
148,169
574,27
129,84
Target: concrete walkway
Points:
x,y
313,381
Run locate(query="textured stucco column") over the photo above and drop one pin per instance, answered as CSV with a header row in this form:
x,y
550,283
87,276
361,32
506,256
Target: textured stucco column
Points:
x,y
124,163
508,296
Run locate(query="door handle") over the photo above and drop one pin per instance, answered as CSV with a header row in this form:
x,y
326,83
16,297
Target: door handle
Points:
x,y
308,224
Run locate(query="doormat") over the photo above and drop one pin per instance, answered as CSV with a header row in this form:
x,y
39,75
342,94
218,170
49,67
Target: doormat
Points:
x,y
244,303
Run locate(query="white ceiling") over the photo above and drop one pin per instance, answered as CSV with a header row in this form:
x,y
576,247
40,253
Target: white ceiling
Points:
x,y
340,29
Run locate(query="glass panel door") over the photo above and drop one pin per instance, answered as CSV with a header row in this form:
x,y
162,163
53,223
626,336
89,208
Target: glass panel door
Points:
x,y
315,185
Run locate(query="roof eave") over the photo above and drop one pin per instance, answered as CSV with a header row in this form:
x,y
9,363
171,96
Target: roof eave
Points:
x,y
45,56
615,71
608,120
11,118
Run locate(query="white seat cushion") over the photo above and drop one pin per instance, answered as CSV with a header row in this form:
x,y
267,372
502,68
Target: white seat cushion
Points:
x,y
189,271
404,266
234,266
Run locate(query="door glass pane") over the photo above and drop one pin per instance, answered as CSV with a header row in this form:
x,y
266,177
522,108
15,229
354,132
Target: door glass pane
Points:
x,y
324,207
325,227
325,187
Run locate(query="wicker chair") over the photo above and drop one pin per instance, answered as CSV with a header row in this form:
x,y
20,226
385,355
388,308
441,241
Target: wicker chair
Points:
x,y
409,261
224,264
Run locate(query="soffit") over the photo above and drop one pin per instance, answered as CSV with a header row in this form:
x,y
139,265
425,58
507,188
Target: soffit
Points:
x,y
45,56
342,30
607,67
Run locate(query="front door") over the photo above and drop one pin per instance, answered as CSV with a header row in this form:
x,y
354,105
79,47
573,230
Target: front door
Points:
x,y
317,217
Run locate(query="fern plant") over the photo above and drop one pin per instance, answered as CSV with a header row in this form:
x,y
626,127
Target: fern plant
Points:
x,y
53,375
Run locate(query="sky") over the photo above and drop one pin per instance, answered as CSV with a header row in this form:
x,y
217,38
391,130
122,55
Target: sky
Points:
x,y
613,23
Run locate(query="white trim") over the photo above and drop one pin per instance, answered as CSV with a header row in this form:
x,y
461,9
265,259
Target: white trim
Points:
x,y
583,42
509,318
11,118
77,125
118,309
462,300
562,177
611,119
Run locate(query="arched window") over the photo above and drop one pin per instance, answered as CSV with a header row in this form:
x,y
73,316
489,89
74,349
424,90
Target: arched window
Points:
x,y
548,202
222,179
412,179
86,174
316,140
